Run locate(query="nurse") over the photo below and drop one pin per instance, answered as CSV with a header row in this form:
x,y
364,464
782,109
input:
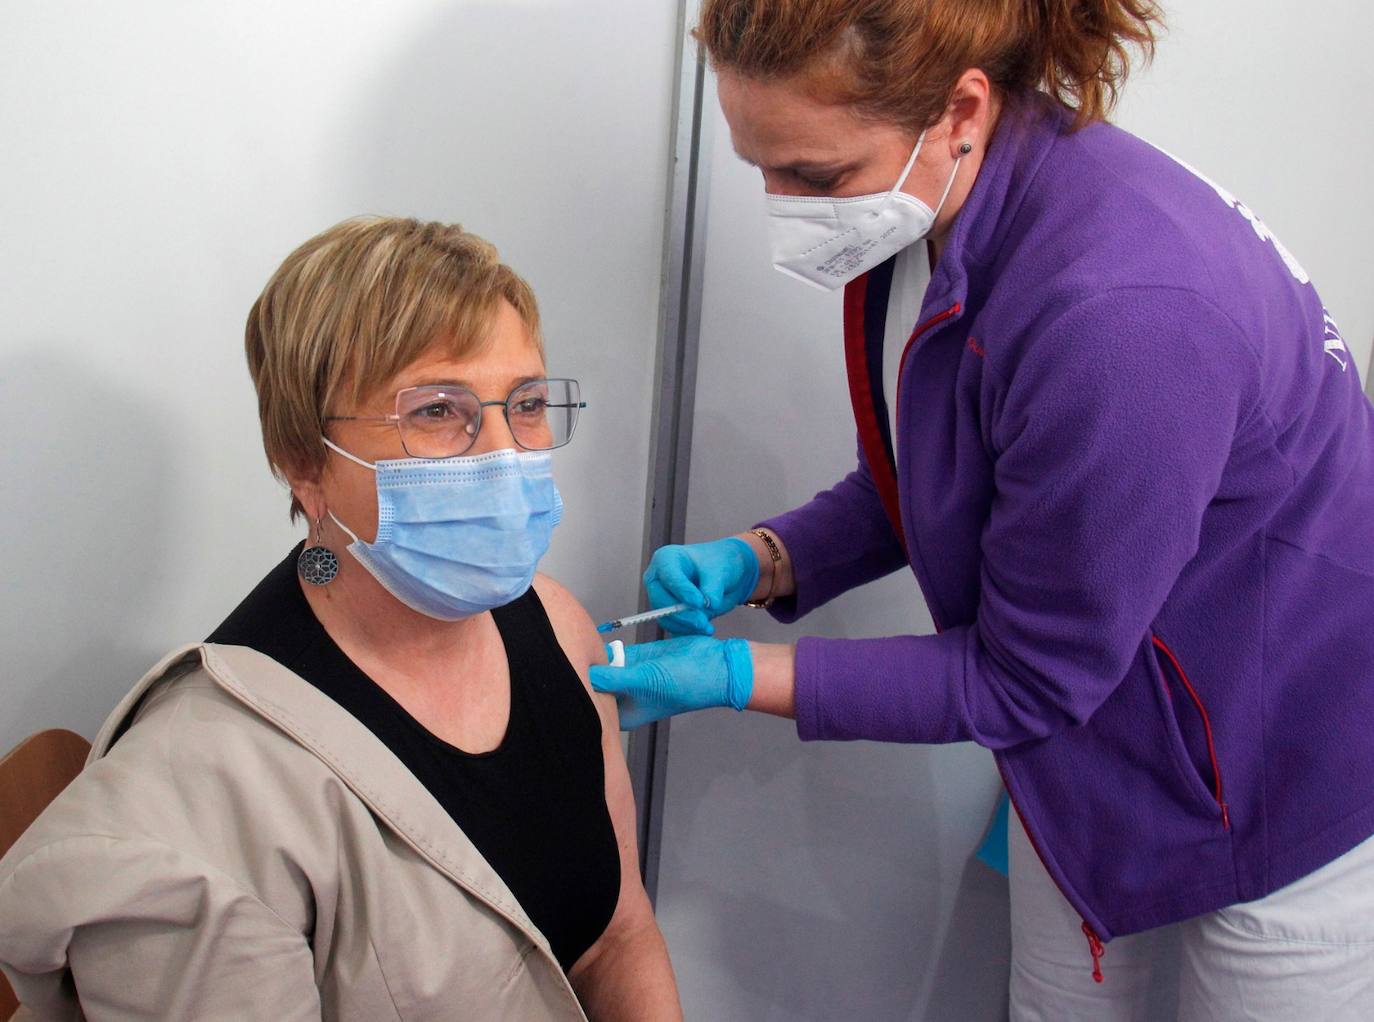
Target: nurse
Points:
x,y
1107,423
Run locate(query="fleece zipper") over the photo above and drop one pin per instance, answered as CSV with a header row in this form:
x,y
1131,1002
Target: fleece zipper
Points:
x,y
885,482
913,553
1095,946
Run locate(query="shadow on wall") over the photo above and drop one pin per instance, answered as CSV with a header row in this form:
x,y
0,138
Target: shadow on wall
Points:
x,y
85,473
828,856
970,978
781,875
827,880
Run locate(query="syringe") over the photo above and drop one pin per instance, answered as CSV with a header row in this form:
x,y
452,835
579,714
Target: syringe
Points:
x,y
615,624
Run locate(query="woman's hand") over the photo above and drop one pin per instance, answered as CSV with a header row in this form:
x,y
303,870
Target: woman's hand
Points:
x,y
661,679
714,578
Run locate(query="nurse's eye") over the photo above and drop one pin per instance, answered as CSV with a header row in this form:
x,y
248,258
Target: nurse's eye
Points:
x,y
530,406
819,184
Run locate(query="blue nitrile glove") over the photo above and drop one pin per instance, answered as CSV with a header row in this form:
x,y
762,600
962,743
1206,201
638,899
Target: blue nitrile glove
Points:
x,y
993,851
714,577
692,672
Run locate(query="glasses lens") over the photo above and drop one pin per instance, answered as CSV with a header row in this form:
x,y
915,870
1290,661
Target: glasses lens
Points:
x,y
437,422
543,413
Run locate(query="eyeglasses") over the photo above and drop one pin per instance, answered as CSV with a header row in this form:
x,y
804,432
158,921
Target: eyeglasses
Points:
x,y
439,421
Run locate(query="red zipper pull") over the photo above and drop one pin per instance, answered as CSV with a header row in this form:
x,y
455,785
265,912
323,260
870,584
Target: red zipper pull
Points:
x,y
1096,949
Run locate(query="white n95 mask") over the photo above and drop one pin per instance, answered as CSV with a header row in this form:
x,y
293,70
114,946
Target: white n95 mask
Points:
x,y
458,536
827,242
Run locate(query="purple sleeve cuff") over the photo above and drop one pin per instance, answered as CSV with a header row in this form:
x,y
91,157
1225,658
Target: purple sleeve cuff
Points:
x,y
839,540
901,689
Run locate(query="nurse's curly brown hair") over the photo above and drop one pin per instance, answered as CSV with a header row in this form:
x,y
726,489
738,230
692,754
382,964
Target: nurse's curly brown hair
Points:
x,y
899,60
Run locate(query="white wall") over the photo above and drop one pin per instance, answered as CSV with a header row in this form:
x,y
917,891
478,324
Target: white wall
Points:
x,y
158,161
822,882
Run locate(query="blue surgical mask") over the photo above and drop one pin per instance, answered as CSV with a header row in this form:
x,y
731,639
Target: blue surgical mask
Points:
x,y
458,536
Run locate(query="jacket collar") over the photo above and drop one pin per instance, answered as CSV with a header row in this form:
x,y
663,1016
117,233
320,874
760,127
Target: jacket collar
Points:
x,y
350,750
1024,135
1026,131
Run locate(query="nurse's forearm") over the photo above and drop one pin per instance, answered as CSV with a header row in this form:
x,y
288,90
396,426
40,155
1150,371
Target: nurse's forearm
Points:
x,y
775,679
775,580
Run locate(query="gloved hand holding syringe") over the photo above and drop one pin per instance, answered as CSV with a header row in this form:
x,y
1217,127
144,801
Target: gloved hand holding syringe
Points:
x,y
691,585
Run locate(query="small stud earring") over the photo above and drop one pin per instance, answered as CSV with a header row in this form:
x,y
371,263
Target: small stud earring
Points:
x,y
317,564
966,148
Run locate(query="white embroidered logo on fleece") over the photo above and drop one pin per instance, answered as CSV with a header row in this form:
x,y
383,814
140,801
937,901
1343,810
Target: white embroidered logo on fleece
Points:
x,y
1263,232
1334,343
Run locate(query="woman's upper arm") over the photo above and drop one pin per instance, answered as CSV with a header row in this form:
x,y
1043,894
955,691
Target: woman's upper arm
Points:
x,y
583,646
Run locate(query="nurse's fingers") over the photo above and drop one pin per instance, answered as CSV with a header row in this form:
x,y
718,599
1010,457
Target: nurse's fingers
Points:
x,y
633,713
672,577
618,682
609,679
686,622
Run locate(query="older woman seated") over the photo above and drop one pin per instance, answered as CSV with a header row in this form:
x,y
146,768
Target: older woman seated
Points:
x,y
382,789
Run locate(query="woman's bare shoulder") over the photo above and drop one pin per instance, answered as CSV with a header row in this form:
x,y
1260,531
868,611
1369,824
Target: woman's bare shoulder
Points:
x,y
571,623
576,633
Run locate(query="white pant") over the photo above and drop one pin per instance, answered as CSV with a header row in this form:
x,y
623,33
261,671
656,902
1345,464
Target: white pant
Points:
x,y
1303,954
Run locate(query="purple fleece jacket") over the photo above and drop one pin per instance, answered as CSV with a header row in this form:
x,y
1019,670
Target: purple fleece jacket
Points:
x,y
1134,477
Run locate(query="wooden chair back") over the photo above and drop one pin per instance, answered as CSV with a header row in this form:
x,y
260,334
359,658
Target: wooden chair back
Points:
x,y
32,774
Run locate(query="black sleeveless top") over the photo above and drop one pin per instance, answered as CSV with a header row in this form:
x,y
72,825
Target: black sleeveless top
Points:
x,y
535,806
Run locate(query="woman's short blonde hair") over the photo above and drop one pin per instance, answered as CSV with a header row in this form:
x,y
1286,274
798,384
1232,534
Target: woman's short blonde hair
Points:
x,y
354,306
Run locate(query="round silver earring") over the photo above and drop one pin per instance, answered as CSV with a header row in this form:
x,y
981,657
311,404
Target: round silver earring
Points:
x,y
966,148
317,564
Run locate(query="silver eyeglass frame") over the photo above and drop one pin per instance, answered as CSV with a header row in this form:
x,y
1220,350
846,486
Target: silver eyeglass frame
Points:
x,y
395,417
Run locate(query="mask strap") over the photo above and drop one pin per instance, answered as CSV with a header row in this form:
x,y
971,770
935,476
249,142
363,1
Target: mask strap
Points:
x,y
351,534
351,457
948,185
906,171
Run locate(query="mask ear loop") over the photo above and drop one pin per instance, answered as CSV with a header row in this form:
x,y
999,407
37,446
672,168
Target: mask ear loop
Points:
x,y
911,162
349,532
906,173
948,185
357,460
351,457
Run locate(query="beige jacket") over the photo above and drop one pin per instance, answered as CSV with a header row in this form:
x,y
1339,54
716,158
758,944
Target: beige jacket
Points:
x,y
248,850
